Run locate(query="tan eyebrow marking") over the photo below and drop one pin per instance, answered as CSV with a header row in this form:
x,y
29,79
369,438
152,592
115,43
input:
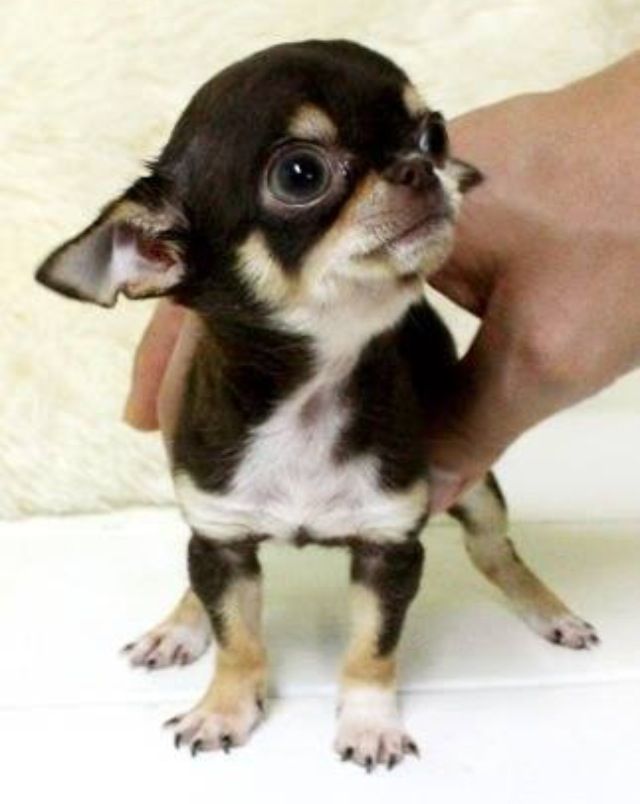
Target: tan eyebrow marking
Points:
x,y
311,123
413,101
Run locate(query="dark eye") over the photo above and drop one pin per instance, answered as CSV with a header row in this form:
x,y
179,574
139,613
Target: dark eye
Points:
x,y
434,139
299,175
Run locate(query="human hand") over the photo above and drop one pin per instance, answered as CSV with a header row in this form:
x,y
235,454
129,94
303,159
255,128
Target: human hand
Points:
x,y
548,256
150,364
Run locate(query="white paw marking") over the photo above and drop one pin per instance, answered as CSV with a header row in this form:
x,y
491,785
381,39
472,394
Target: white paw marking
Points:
x,y
370,731
205,729
169,644
569,630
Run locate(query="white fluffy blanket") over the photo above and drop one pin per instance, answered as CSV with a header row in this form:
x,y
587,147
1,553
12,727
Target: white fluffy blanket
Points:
x,y
89,89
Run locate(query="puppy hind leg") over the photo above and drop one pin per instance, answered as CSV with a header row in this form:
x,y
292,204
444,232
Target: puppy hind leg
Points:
x,y
179,639
226,578
482,513
385,579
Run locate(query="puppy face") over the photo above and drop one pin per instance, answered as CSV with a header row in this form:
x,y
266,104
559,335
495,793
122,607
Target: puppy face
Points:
x,y
303,183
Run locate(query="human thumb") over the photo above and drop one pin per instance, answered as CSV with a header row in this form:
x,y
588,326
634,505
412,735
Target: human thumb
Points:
x,y
489,401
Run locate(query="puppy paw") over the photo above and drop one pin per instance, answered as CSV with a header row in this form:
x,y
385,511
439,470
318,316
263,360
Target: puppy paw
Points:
x,y
370,731
169,644
206,728
570,631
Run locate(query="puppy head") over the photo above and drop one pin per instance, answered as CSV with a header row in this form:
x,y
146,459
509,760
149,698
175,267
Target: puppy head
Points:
x,y
303,182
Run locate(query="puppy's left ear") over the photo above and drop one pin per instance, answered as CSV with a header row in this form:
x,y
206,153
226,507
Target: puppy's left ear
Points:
x,y
465,174
135,246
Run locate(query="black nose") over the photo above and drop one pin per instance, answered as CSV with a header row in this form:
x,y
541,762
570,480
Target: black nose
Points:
x,y
412,171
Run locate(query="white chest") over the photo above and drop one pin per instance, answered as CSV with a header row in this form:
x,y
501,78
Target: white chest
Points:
x,y
289,479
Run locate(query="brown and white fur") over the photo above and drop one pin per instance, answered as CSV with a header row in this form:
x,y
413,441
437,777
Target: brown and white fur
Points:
x,y
302,200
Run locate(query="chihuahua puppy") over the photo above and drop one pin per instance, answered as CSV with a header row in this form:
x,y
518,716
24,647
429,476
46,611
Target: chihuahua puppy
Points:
x,y
303,198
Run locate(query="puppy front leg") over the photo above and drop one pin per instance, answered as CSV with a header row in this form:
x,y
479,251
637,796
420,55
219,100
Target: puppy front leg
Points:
x,y
226,578
385,578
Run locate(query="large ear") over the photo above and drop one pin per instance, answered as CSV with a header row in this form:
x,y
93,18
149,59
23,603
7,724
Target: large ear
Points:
x,y
135,246
468,176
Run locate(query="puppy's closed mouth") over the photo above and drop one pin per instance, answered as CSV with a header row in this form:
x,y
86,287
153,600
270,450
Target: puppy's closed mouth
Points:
x,y
418,229
412,234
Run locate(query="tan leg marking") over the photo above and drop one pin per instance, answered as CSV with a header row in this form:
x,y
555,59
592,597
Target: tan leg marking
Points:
x,y
492,552
362,665
179,639
233,704
370,729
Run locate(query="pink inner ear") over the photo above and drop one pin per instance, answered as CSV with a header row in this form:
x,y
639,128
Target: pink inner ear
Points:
x,y
151,249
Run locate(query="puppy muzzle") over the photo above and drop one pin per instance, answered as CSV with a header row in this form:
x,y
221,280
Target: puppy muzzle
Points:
x,y
414,171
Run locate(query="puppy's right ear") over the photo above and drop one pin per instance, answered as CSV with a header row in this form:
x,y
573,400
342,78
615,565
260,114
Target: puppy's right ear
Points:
x,y
135,246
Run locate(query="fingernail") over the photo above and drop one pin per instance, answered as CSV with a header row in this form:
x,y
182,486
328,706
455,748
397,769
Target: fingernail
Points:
x,y
129,413
444,488
136,416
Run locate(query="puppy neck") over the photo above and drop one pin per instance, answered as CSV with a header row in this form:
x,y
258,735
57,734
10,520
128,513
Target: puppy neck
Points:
x,y
340,325
338,303
283,342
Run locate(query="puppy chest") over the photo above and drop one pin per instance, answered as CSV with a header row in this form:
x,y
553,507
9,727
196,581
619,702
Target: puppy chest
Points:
x,y
290,478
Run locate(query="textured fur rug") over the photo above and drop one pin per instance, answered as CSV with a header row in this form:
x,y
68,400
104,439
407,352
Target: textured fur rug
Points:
x,y
90,89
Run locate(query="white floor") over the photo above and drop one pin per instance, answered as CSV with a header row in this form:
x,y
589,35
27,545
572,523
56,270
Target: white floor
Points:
x,y
500,715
